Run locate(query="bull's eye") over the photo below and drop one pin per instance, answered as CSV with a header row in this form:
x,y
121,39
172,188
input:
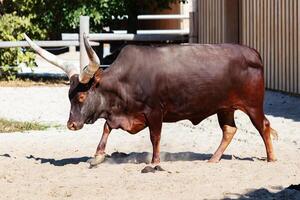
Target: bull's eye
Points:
x,y
82,97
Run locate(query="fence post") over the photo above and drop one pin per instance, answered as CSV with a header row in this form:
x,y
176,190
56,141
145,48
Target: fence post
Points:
x,y
84,28
193,37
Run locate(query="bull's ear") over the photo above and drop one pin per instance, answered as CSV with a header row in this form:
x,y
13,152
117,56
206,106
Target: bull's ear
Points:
x,y
98,77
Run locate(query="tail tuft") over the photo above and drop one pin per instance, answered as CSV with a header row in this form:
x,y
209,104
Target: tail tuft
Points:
x,y
274,134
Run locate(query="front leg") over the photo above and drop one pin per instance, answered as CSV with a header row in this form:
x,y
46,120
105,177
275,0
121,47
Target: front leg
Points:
x,y
155,140
100,152
155,125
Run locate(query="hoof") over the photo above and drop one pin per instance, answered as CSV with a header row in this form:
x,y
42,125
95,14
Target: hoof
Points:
x,y
271,159
96,160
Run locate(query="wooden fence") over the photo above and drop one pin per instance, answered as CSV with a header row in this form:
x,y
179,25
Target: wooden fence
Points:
x,y
270,26
216,20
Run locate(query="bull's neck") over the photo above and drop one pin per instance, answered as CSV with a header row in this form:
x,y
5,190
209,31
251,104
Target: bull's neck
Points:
x,y
109,104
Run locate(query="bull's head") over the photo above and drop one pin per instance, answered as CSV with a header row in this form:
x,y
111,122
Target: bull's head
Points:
x,y
82,94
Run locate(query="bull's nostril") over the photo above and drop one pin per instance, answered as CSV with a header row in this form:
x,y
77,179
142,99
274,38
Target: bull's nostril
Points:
x,y
72,126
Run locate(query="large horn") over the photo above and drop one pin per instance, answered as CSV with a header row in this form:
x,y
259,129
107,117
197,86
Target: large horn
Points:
x,y
69,68
88,72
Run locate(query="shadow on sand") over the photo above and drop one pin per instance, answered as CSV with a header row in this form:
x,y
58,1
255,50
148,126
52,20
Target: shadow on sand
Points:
x,y
290,193
279,104
61,162
5,155
139,157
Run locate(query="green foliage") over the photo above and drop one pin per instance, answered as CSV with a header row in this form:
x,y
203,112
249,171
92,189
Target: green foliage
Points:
x,y
63,16
11,27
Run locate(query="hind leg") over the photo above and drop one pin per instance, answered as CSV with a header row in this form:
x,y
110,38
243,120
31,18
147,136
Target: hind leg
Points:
x,y
226,122
262,124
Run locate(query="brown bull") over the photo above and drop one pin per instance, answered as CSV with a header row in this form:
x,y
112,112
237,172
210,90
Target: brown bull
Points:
x,y
146,86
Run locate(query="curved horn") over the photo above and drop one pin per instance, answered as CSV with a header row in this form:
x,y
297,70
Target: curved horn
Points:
x,y
66,66
88,72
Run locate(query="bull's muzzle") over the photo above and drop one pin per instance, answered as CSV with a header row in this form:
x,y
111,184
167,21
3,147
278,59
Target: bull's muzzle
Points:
x,y
74,126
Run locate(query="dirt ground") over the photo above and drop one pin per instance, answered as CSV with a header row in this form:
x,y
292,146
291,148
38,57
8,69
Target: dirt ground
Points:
x,y
52,164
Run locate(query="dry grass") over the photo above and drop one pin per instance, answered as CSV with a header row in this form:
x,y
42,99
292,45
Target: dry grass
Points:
x,y
8,126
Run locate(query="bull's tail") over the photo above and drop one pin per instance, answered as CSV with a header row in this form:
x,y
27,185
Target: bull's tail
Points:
x,y
274,134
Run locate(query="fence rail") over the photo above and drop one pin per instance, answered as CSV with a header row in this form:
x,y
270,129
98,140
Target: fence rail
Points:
x,y
157,17
126,37
45,43
165,16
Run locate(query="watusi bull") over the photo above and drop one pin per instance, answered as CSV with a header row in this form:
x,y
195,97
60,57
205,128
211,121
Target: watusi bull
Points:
x,y
148,85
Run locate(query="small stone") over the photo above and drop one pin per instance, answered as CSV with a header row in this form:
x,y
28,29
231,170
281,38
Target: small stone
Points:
x,y
148,169
159,168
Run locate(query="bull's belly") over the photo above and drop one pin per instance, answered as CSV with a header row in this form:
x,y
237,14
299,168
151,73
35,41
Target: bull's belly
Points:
x,y
196,115
195,118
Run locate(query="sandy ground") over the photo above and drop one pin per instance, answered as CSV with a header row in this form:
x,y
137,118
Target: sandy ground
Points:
x,y
52,164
